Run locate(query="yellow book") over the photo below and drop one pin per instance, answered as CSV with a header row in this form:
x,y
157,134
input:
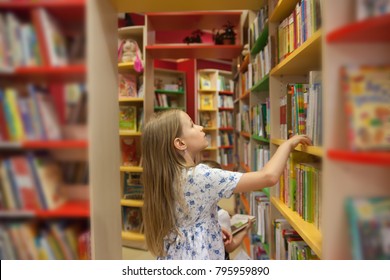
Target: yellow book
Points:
x,y
11,99
206,101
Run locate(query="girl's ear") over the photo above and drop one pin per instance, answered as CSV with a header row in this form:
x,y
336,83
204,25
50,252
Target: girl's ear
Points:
x,y
179,144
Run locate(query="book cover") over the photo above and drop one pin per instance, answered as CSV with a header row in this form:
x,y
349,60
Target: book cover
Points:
x,y
132,219
127,85
206,101
367,93
128,118
129,151
369,221
132,188
205,83
239,222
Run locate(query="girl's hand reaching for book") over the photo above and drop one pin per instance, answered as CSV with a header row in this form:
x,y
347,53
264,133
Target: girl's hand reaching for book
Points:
x,y
299,139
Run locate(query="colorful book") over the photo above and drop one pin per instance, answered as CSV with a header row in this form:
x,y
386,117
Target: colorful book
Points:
x,y
239,222
127,85
128,118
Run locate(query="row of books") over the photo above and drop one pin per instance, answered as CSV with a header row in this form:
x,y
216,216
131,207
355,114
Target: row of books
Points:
x,y
260,208
260,122
225,157
225,101
55,241
301,111
225,119
130,85
36,43
130,118
289,245
163,100
257,26
260,65
300,188
32,112
243,121
75,173
225,139
28,182
261,156
299,26
224,83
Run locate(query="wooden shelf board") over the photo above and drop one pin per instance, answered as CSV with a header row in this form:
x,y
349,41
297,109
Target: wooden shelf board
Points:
x,y
127,67
245,95
169,91
245,134
262,85
371,158
55,144
225,109
226,128
130,99
71,209
307,231
137,169
207,110
245,167
226,147
210,128
192,20
225,92
371,30
194,51
132,203
211,149
48,4
302,60
129,133
266,191
133,236
259,138
261,41
131,31
142,6
207,91
282,10
312,150
167,108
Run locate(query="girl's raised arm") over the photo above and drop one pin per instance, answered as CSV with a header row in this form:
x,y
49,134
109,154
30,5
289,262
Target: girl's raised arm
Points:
x,y
270,174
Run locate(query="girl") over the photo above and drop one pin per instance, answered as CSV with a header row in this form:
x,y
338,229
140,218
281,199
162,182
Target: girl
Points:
x,y
180,204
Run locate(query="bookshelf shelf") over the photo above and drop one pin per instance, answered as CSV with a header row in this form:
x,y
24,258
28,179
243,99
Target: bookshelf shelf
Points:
x,y
245,203
245,167
72,209
127,67
193,51
245,134
224,92
282,10
371,158
167,108
129,133
226,147
262,85
137,169
132,203
245,95
133,236
192,20
226,128
63,72
211,149
207,110
307,57
168,92
259,138
307,231
313,150
266,191
367,31
28,4
210,128
204,91
261,41
60,144
130,99
225,109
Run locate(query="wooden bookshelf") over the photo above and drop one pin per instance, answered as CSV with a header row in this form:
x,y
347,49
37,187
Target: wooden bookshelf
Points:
x,y
369,158
371,30
129,133
312,150
307,231
305,58
130,99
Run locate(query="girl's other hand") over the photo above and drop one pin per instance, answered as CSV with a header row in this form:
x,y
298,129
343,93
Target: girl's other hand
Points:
x,y
226,236
299,139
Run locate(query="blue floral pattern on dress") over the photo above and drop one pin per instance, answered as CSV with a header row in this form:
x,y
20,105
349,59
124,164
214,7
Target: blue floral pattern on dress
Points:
x,y
200,236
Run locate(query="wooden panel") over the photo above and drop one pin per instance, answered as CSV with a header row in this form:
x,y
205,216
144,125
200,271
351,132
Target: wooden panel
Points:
x,y
194,51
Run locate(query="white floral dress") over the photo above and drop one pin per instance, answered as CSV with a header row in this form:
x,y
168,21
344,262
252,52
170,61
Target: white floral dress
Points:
x,y
200,235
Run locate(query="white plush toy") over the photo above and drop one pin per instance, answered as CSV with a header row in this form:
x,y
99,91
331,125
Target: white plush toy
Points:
x,y
129,51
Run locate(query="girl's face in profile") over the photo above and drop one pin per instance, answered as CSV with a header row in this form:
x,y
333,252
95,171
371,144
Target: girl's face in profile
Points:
x,y
193,135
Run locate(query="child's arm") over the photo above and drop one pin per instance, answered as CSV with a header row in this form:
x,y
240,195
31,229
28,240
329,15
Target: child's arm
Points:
x,y
272,171
237,238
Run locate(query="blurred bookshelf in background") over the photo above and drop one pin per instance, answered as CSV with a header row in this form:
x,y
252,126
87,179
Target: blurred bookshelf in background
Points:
x,y
44,202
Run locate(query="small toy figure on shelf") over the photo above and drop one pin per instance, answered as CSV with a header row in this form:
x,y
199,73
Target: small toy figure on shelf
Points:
x,y
194,38
180,84
129,51
228,37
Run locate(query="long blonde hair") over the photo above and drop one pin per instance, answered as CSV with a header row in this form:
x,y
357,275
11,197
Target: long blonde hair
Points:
x,y
162,166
